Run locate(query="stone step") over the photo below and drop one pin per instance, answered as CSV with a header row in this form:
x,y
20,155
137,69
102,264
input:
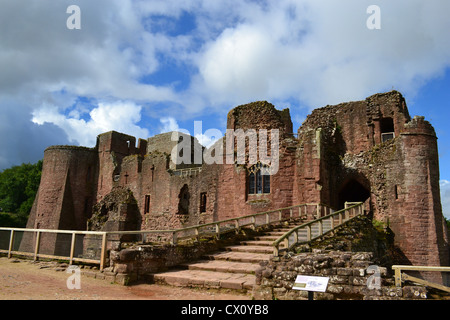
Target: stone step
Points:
x,y
206,279
265,243
240,256
275,233
267,238
223,266
251,249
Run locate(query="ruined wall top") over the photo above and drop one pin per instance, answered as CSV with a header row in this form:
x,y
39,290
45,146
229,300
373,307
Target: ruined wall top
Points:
x,y
259,115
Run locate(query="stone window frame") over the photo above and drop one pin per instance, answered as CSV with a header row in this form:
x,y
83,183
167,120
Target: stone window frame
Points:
x,y
203,201
258,179
147,200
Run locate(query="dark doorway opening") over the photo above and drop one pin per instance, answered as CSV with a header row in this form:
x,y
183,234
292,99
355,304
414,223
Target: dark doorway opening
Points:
x,y
387,125
387,129
183,204
353,191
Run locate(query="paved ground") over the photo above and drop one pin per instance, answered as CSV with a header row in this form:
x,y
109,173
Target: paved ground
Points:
x,y
25,280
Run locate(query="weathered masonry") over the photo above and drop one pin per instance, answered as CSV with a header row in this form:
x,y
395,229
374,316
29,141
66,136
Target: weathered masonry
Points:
x,y
369,151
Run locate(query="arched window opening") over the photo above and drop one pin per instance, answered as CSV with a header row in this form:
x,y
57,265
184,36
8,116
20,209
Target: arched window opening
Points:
x,y
183,204
203,197
259,179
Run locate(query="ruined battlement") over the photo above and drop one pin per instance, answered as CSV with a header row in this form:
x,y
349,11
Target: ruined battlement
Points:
x,y
368,151
259,115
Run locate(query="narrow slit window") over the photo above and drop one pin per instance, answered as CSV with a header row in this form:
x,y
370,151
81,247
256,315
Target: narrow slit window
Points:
x,y
203,202
147,204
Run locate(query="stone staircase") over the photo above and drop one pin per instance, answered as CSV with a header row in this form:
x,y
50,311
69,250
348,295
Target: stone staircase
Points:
x,y
233,268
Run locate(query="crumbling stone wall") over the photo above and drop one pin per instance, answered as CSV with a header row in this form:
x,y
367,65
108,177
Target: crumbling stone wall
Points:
x,y
343,159
339,155
348,273
348,257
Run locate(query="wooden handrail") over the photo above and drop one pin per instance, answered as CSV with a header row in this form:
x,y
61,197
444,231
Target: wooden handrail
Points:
x,y
216,223
308,225
36,254
173,233
399,276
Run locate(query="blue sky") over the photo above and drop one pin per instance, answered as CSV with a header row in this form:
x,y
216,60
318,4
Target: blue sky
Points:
x,y
145,67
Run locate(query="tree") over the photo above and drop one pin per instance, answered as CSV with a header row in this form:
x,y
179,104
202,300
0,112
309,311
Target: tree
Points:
x,y
18,188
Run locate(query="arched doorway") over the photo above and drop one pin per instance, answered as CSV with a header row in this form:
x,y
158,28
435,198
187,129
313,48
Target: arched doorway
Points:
x,y
352,191
183,204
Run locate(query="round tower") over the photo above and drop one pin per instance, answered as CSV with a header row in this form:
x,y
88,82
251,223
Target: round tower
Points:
x,y
418,223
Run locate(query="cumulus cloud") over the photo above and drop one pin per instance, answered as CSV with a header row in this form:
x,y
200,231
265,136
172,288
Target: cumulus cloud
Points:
x,y
226,53
118,116
207,138
169,124
321,52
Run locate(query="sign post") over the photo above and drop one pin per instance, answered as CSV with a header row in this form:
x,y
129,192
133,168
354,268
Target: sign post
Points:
x,y
311,284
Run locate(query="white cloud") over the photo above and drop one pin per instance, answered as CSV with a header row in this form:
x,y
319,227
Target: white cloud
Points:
x,y
445,197
119,116
208,138
321,52
313,52
169,124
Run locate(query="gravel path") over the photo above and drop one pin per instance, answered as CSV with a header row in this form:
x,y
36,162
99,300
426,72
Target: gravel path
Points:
x,y
25,280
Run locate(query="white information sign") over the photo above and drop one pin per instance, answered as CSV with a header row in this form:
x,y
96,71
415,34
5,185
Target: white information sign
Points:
x,y
309,283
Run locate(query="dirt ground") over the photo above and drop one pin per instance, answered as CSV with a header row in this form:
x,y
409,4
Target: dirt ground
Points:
x,y
25,280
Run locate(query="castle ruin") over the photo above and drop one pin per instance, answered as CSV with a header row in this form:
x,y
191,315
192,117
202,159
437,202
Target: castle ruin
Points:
x,y
370,151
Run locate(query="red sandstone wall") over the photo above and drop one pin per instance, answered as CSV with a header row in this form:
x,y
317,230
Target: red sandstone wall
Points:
x,y
336,144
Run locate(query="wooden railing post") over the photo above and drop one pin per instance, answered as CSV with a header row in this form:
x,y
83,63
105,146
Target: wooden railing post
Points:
x,y
174,238
275,251
36,248
103,252
286,243
217,231
72,248
398,277
296,236
11,243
